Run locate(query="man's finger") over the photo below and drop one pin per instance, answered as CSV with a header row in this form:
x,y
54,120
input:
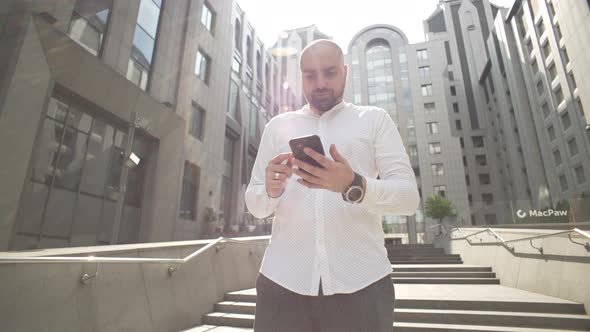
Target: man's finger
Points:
x,y
336,155
320,158
278,168
309,185
281,157
308,177
308,168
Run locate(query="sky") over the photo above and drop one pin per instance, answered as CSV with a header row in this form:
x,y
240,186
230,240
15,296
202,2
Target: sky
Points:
x,y
340,19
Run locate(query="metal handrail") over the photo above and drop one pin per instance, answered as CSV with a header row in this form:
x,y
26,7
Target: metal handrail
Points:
x,y
86,278
530,238
93,259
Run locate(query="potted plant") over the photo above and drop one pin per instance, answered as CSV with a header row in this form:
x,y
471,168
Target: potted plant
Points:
x,y
211,217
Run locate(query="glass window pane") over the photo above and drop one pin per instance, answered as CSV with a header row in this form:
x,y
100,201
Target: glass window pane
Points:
x,y
98,157
86,220
148,17
143,47
58,217
79,119
71,159
47,149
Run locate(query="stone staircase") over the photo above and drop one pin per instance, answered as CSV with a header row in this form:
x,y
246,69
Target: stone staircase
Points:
x,y
435,297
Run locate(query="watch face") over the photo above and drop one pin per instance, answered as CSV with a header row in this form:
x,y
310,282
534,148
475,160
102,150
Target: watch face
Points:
x,y
354,193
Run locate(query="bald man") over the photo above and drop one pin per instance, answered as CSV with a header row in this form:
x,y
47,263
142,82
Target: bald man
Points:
x,y
326,268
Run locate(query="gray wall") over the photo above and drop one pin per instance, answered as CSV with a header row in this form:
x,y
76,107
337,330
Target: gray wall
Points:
x,y
125,297
561,272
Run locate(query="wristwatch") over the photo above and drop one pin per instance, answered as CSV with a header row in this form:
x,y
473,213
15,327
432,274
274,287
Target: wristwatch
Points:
x,y
355,192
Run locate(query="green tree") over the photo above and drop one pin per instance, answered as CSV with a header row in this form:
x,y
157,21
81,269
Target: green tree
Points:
x,y
438,207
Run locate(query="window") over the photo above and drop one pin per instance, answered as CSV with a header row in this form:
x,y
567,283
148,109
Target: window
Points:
x,y
432,127
572,80
540,89
563,182
557,157
467,180
234,91
437,170
458,125
238,36
566,58
565,120
253,121
529,46
558,33
535,66
424,71
197,122
546,49
76,174
453,90
478,141
464,161
249,51
434,148
429,107
144,40
580,176
190,188
451,76
413,151
573,146
456,107
89,24
202,66
427,90
440,190
488,199
208,17
552,72
481,160
236,65
540,27
545,109
551,133
484,178
462,142
422,55
228,149
558,93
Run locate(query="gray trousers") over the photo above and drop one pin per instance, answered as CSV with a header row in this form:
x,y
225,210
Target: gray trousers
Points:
x,y
367,310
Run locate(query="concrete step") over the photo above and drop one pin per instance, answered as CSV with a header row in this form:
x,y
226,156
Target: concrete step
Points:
x,y
431,280
425,327
492,305
439,268
247,308
494,318
424,261
444,274
446,320
450,257
228,319
406,246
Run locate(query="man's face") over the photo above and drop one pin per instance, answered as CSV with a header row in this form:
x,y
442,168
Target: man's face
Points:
x,y
324,77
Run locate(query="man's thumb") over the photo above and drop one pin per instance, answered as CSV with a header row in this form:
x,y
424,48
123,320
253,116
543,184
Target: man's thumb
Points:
x,y
336,155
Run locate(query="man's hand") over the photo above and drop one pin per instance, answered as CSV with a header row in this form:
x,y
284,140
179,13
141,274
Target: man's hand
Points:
x,y
336,176
278,174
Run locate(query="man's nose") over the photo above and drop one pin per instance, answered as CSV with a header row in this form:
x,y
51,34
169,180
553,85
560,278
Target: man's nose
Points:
x,y
322,82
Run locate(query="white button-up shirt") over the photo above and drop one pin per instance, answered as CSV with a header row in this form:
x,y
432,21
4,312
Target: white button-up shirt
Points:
x,y
316,234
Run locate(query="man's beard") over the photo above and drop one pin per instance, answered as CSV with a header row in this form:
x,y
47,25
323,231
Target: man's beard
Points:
x,y
328,99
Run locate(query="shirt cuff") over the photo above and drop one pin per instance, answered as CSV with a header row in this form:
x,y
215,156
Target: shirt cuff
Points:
x,y
370,193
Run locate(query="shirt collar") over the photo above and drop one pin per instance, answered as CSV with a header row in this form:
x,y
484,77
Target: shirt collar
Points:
x,y
307,110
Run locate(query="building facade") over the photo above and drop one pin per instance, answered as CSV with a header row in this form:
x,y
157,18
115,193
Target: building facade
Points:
x,y
121,122
407,81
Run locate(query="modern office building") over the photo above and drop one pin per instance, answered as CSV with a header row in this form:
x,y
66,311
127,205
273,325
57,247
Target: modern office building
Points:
x,y
407,81
121,121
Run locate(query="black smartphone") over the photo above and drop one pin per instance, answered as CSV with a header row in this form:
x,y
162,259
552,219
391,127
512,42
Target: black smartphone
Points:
x,y
299,143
